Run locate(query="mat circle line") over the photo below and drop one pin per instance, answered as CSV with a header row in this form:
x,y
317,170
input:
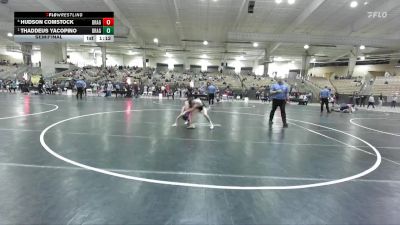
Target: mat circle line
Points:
x,y
372,129
208,186
32,114
245,107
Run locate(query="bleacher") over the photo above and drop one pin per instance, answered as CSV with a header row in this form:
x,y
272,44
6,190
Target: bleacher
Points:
x,y
256,81
321,82
7,71
223,81
347,86
392,86
153,78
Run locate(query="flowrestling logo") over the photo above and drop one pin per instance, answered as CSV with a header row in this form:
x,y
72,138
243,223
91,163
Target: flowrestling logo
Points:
x,y
377,14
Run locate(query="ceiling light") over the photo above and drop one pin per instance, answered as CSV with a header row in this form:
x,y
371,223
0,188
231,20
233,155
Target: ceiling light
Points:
x,y
353,4
168,55
9,34
204,56
279,59
155,40
362,57
291,2
306,46
215,0
293,62
278,1
362,47
205,42
313,60
365,3
255,44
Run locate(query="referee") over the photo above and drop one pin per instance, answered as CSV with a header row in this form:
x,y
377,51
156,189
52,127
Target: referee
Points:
x,y
80,86
324,96
280,93
211,89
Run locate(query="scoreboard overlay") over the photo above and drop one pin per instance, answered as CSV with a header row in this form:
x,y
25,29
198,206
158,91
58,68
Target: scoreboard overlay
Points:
x,y
64,26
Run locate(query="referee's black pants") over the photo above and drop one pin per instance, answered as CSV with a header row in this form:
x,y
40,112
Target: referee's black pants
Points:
x,y
326,102
211,97
79,92
281,103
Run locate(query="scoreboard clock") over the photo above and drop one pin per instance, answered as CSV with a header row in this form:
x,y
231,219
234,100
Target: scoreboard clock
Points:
x,y
64,26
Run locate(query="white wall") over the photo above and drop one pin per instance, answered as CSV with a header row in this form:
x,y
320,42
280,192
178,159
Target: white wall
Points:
x,y
326,71
200,62
36,57
360,70
259,70
95,59
13,57
85,58
113,59
131,60
171,61
282,68
81,58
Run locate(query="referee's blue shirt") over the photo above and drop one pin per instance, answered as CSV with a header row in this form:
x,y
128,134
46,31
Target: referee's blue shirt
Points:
x,y
325,93
211,89
282,95
80,84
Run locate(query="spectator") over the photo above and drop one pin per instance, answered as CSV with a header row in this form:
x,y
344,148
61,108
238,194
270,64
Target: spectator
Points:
x,y
109,89
332,100
380,100
337,97
362,100
136,89
394,101
163,90
86,86
117,89
356,98
371,101
12,86
95,87
40,86
258,95
167,88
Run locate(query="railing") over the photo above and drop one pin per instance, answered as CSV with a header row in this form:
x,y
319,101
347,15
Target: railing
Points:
x,y
60,74
367,87
314,89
